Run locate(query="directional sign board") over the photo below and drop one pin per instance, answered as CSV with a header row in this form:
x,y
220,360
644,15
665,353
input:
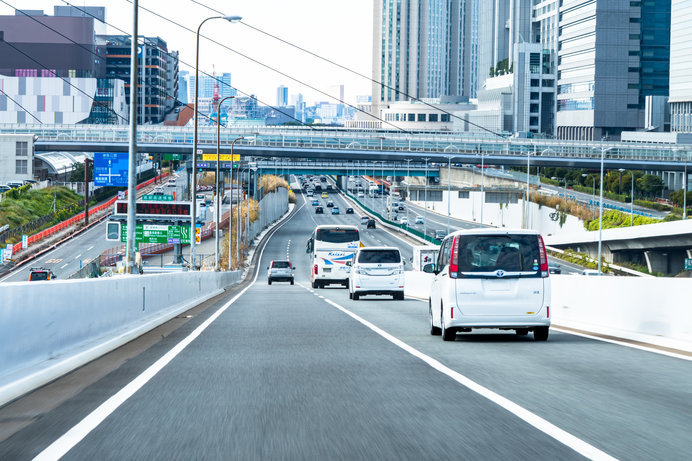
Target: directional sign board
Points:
x,y
176,210
212,165
688,264
110,168
222,157
158,198
172,156
154,233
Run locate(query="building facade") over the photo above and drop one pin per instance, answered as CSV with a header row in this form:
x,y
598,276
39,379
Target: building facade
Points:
x,y
16,157
612,55
681,66
281,96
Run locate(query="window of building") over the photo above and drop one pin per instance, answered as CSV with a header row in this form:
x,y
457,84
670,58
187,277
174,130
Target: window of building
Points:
x,y
533,121
634,37
535,82
633,86
411,117
421,117
432,117
534,96
444,117
533,108
22,149
548,83
463,194
535,63
21,167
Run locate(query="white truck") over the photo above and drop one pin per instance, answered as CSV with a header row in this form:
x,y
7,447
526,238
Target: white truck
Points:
x,y
424,254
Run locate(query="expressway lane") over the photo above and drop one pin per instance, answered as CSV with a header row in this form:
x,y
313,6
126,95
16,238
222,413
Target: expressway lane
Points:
x,y
284,373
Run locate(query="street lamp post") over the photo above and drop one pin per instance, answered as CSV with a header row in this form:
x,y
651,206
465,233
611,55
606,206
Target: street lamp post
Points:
x,y
193,184
449,190
600,209
528,182
218,194
230,213
684,190
132,148
593,196
482,184
408,186
632,200
425,208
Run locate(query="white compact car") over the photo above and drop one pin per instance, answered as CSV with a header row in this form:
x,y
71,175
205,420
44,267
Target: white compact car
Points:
x,y
376,271
490,278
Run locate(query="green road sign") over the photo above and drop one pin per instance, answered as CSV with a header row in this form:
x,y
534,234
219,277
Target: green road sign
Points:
x,y
156,233
172,156
158,198
688,264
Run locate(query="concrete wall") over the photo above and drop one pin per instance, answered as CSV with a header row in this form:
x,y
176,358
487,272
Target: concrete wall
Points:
x,y
46,330
652,310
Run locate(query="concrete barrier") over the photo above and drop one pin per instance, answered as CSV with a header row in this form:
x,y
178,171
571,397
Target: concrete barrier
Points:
x,y
50,328
650,310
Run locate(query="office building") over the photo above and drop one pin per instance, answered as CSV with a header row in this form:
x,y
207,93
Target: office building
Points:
x,y
183,86
158,91
207,83
681,66
16,157
281,96
96,12
612,56
420,50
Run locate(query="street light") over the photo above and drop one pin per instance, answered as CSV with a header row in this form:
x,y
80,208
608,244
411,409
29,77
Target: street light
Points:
x,y
193,185
528,183
425,192
684,190
408,186
482,183
218,161
593,194
600,208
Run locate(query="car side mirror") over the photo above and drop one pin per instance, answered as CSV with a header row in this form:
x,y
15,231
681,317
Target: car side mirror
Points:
x,y
429,268
349,264
267,267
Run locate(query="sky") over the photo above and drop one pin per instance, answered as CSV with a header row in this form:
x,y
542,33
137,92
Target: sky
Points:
x,y
335,29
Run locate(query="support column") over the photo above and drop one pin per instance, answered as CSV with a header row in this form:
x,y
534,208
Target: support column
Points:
x,y
656,262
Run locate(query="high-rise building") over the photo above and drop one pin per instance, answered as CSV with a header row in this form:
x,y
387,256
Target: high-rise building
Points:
x,y
96,12
206,86
613,55
281,96
681,66
420,50
183,86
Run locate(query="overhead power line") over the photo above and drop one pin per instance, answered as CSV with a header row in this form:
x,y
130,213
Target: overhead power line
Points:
x,y
270,68
348,69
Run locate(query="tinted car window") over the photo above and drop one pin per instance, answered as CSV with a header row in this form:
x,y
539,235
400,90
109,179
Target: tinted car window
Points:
x,y
38,276
280,265
337,235
489,253
379,257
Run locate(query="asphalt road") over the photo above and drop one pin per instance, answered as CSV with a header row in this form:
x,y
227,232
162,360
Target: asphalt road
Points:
x,y
289,372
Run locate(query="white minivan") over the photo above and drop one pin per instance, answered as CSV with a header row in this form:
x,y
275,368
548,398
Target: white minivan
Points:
x,y
490,278
376,271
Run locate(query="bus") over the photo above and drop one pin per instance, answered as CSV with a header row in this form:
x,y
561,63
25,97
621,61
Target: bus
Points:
x,y
331,247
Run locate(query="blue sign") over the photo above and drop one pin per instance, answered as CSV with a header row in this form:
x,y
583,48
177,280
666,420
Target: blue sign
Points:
x,y
110,168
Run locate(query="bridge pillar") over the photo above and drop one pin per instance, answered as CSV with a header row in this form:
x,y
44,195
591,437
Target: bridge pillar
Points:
x,y
657,261
689,253
177,254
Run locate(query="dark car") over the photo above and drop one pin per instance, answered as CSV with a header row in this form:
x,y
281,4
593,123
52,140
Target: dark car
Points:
x,y
330,204
349,210
371,224
319,210
554,268
40,273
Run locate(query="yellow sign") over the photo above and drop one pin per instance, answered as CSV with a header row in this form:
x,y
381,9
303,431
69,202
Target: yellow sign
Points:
x,y
222,157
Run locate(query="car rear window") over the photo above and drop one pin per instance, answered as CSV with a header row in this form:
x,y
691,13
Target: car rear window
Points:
x,y
38,276
489,253
281,265
379,256
337,235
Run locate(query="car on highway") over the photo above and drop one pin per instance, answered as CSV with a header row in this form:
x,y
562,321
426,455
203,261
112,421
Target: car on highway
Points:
x,y
349,210
280,270
335,210
404,221
319,210
309,192
315,203
361,194
419,220
330,204
4,188
325,195
364,220
171,183
40,273
440,234
490,278
376,271
554,268
371,224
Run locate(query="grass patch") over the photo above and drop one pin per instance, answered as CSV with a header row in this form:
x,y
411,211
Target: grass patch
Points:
x,y
33,204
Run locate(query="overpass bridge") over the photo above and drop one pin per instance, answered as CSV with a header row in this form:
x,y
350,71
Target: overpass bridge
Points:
x,y
360,145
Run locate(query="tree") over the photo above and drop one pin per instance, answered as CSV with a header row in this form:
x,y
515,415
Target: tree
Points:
x,y
77,174
651,185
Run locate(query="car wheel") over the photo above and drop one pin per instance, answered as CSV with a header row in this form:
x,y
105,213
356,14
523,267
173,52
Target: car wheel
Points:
x,y
314,284
435,331
291,281
356,296
541,333
269,281
522,331
448,334
350,295
346,284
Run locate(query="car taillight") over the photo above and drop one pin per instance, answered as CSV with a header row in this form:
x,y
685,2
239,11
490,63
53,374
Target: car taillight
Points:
x,y
315,269
454,263
547,312
544,257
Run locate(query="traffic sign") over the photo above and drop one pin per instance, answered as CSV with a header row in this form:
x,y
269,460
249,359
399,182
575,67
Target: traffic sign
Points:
x,y
222,157
173,210
111,168
156,233
158,198
198,234
172,156
25,241
688,264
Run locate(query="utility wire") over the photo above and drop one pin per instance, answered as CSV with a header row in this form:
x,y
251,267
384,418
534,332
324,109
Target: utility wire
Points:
x,y
271,68
352,71
67,38
143,41
10,98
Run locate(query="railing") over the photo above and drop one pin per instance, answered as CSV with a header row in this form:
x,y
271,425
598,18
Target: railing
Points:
x,y
445,144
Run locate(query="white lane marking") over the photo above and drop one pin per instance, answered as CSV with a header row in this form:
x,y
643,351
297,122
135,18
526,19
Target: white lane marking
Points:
x,y
623,343
63,266
77,257
548,428
92,246
68,440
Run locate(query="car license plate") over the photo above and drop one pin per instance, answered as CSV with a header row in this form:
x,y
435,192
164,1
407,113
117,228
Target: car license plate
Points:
x,y
327,269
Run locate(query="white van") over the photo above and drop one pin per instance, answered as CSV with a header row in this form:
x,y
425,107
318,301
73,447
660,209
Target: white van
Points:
x,y
490,278
376,271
